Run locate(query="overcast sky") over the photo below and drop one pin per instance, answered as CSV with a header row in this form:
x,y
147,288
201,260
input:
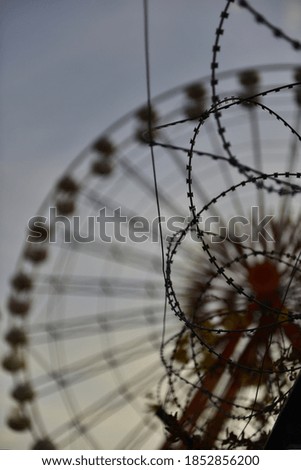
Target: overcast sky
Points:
x,y
69,68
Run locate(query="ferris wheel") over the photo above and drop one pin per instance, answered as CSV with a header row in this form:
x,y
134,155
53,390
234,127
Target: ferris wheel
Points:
x,y
90,366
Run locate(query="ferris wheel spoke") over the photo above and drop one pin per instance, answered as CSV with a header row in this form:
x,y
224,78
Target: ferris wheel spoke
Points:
x,y
138,435
116,252
94,364
111,403
181,164
147,184
91,196
293,147
293,155
86,319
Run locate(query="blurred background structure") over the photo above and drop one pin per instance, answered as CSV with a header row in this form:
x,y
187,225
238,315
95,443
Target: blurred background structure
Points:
x,y
70,70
